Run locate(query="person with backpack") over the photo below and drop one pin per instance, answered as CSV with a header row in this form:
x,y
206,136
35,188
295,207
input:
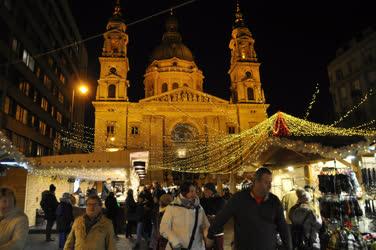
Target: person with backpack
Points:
x,y
305,223
49,205
184,221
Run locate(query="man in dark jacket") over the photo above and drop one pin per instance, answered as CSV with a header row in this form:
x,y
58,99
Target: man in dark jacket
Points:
x,y
49,205
64,218
212,203
112,209
258,217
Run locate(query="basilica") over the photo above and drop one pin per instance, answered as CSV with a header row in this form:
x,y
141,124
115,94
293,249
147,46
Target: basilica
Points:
x,y
176,113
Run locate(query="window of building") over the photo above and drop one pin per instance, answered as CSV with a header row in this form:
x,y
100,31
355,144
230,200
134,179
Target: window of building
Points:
x,y
164,87
42,128
231,130
110,128
343,92
134,130
61,98
248,75
59,117
28,60
15,45
44,104
112,91
356,84
47,82
21,114
40,150
175,85
7,105
339,75
185,85
62,78
24,88
250,94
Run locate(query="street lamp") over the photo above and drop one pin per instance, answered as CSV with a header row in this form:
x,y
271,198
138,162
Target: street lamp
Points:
x,y
83,90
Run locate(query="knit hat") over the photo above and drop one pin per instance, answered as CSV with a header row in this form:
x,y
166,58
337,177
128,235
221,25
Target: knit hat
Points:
x,y
66,197
211,187
302,195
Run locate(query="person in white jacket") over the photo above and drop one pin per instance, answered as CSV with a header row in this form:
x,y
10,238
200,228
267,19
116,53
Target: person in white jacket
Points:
x,y
178,221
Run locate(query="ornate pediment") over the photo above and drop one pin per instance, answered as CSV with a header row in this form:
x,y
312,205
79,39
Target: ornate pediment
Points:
x,y
184,94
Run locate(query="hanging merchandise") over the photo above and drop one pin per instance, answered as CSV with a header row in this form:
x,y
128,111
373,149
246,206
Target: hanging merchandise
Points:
x,y
340,209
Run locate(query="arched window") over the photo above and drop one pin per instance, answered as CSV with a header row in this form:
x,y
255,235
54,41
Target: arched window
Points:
x,y
112,91
164,87
248,75
251,95
175,85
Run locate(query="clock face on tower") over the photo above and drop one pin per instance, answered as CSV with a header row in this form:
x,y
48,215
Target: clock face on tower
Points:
x,y
113,70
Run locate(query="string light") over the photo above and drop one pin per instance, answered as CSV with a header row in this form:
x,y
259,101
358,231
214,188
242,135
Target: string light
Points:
x,y
313,100
365,98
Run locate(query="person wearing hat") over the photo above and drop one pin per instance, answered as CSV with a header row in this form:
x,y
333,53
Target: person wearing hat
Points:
x,y
64,218
49,205
212,203
305,223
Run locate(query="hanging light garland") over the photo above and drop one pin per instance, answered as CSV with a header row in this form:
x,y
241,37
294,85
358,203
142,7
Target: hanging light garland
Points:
x,y
313,100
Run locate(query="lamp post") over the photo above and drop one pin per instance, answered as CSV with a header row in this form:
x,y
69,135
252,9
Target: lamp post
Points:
x,y
82,89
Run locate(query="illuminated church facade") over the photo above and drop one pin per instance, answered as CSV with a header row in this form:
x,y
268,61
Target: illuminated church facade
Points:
x,y
175,109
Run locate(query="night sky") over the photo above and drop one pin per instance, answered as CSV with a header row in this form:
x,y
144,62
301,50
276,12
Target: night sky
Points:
x,y
294,43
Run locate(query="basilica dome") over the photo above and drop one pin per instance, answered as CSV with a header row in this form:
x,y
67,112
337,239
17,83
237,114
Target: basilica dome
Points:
x,y
172,45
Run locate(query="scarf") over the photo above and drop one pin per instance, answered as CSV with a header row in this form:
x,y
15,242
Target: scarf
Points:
x,y
89,223
190,204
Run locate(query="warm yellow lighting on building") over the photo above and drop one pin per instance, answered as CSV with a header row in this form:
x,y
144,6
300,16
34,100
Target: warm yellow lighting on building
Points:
x,y
112,139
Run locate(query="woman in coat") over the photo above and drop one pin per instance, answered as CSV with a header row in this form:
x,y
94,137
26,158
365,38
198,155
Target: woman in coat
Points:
x,y
64,218
305,224
14,224
178,221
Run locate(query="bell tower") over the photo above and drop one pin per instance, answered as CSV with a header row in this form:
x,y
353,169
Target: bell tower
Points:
x,y
244,69
111,100
114,65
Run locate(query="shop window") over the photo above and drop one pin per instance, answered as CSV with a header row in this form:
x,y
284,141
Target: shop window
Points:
x,y
164,87
134,130
112,91
250,94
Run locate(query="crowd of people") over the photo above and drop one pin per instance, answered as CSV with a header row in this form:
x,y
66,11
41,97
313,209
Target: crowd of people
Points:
x,y
186,219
